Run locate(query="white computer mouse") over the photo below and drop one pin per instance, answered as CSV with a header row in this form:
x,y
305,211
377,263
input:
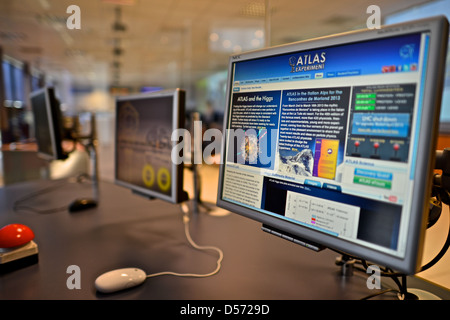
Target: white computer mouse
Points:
x,y
119,279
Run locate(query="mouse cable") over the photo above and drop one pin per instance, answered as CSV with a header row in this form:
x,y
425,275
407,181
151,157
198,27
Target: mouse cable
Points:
x,y
186,219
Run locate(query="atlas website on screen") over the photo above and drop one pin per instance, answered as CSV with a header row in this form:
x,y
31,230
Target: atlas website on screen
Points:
x,y
326,138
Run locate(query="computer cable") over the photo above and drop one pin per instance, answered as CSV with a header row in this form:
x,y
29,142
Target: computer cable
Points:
x,y
186,219
20,204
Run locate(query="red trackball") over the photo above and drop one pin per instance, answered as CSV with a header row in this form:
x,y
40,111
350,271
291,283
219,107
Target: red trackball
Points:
x,y
14,235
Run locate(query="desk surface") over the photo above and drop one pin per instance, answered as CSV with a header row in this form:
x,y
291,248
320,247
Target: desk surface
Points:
x,y
126,230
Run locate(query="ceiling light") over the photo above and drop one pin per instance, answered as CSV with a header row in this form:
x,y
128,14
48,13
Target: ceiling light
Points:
x,y
232,40
237,48
256,43
214,37
226,44
259,34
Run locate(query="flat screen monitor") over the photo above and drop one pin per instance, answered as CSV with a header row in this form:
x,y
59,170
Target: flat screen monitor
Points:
x,y
143,145
48,124
331,142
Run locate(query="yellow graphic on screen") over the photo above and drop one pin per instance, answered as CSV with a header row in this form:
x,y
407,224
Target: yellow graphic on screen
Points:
x,y
325,158
148,175
163,179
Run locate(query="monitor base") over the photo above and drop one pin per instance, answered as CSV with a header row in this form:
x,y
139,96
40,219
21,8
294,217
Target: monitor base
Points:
x,y
419,294
347,265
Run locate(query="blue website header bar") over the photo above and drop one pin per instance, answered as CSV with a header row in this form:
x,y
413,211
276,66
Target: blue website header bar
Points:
x,y
393,54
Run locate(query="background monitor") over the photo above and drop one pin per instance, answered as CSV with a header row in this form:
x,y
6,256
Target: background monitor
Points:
x,y
144,125
14,80
48,124
331,142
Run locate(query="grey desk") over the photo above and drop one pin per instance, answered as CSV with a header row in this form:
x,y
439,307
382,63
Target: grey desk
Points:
x,y
126,230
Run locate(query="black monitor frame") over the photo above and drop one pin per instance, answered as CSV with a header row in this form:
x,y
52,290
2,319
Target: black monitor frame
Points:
x,y
419,197
177,193
48,124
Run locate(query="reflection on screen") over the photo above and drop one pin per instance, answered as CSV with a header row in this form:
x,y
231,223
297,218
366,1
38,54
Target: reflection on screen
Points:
x,y
144,144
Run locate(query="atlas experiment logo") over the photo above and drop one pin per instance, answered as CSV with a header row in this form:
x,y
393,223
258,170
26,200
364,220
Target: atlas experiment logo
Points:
x,y
307,62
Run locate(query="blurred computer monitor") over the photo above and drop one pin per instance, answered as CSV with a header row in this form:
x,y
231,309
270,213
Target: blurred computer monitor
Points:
x,y
48,124
144,125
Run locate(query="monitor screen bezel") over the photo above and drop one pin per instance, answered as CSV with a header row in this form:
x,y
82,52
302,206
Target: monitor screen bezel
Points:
x,y
178,122
54,122
438,28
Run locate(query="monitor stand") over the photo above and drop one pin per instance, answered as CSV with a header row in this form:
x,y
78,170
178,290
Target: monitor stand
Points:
x,y
347,265
198,205
350,264
89,142
440,195
422,295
